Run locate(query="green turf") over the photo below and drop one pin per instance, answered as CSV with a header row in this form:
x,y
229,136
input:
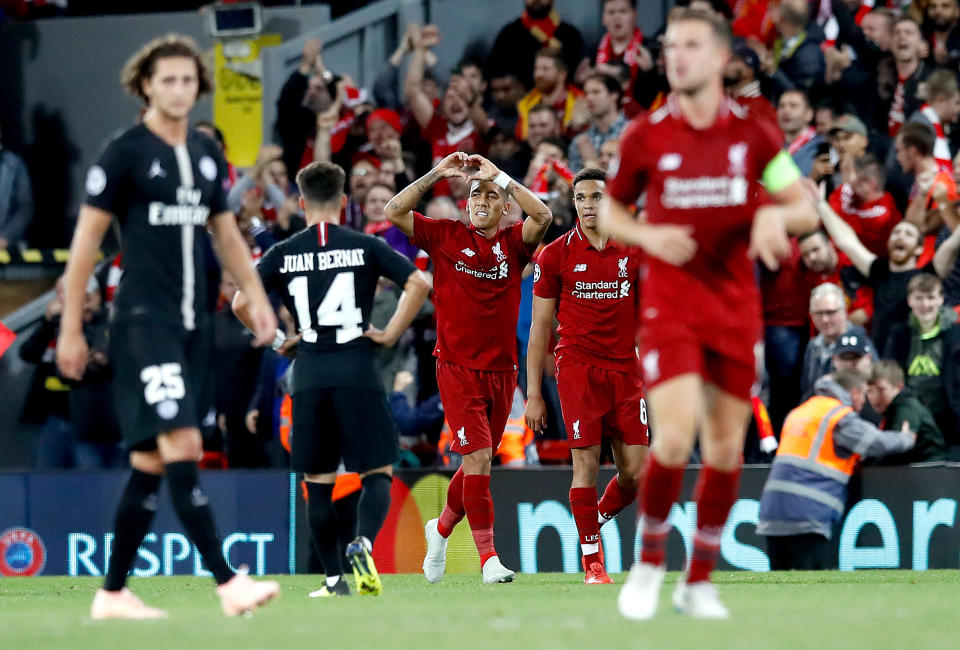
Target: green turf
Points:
x,y
877,609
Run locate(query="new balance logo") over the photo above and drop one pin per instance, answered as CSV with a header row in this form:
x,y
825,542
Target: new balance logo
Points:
x,y
468,252
462,437
579,267
669,162
576,430
156,171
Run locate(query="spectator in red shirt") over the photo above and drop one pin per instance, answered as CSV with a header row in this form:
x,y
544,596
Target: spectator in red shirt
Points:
x,y
450,129
863,202
785,297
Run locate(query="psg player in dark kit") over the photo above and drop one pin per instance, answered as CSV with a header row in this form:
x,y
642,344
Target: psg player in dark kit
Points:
x,y
327,277
165,184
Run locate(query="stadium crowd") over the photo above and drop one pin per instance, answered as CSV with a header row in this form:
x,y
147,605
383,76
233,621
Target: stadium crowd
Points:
x,y
865,95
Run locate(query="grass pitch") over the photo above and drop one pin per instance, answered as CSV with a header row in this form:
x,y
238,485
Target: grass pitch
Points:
x,y
876,609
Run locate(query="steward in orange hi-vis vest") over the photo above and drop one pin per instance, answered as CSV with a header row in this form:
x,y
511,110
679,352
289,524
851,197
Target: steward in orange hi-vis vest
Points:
x,y
822,441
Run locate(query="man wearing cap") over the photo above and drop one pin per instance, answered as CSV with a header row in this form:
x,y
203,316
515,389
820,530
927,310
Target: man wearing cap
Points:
x,y
821,443
741,78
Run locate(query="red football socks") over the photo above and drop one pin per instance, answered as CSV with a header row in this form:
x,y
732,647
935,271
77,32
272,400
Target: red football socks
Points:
x,y
614,499
661,487
715,494
453,510
478,505
583,503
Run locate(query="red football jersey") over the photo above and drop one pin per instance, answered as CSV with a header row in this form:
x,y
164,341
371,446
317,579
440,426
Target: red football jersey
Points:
x,y
476,290
708,179
873,222
597,299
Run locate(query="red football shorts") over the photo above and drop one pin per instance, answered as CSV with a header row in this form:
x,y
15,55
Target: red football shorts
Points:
x,y
731,363
477,404
598,403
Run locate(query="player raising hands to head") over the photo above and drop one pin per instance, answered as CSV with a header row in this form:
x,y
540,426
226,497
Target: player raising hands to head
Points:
x,y
477,274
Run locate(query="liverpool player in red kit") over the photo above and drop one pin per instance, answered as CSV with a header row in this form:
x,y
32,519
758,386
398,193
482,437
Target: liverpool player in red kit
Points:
x,y
477,274
702,163
590,284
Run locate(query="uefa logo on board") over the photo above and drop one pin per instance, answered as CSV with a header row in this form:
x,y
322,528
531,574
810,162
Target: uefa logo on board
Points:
x,y
22,553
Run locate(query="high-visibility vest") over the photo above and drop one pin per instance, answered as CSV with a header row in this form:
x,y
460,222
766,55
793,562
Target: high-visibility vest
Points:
x,y
512,449
513,444
286,421
807,464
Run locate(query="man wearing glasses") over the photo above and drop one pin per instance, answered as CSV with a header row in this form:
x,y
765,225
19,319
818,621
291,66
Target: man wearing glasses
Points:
x,y
828,310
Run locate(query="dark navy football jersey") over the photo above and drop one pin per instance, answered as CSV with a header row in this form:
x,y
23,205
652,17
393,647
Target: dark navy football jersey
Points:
x,y
327,278
162,197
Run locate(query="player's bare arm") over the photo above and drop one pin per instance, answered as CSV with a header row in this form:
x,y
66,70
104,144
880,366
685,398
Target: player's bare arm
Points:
x,y
72,349
540,329
670,243
399,210
538,214
793,214
235,257
415,292
71,345
946,256
841,233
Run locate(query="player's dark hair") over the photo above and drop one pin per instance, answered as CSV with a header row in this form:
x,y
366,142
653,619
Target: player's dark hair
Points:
x,y
588,174
612,84
810,233
919,136
141,66
554,55
868,165
718,25
632,3
849,379
321,183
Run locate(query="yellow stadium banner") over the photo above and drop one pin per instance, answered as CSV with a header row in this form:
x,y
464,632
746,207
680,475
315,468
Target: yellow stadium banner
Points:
x,y
238,95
